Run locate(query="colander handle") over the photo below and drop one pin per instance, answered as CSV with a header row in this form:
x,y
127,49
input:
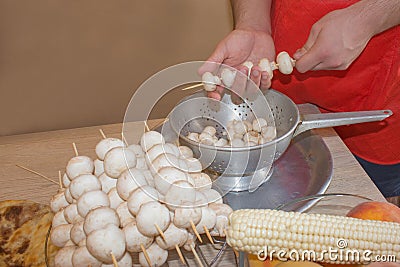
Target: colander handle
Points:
x,y
324,120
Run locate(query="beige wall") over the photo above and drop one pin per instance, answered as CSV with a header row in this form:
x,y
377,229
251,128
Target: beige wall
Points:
x,y
70,63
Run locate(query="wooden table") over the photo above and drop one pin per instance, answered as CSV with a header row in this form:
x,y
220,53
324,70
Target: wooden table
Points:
x,y
48,152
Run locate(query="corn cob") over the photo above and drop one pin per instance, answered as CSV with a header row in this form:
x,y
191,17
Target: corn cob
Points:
x,y
255,230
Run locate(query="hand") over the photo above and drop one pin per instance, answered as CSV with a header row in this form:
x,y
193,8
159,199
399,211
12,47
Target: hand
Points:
x,y
236,48
335,41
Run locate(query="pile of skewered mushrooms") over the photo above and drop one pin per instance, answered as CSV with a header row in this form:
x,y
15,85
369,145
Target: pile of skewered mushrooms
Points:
x,y
284,63
240,133
139,201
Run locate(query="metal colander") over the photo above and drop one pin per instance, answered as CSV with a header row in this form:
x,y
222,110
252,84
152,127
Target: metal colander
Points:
x,y
246,168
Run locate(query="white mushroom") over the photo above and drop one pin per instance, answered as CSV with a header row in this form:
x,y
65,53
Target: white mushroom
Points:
x,y
60,235
210,81
125,261
68,196
58,201
285,62
98,167
65,180
184,216
99,218
258,124
114,198
137,149
91,200
141,163
77,233
265,65
239,127
228,77
141,196
248,64
251,143
186,152
210,130
164,160
201,199
201,181
107,182
194,137
106,145
157,255
149,178
206,139
166,176
151,214
134,238
212,196
106,241
221,142
124,215
191,241
268,132
84,183
117,160
237,142
251,136
58,219
194,165
249,125
180,194
159,149
174,236
82,257
128,182
71,214
222,211
63,258
208,219
150,139
79,165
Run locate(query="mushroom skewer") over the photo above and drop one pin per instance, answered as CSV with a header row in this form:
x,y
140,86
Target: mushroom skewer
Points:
x,y
145,254
75,149
102,134
37,173
195,231
196,256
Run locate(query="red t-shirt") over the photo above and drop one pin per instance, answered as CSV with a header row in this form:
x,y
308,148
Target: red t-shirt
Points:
x,y
371,82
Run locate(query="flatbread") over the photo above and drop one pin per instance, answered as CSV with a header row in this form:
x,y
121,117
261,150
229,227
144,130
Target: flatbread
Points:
x,y
23,229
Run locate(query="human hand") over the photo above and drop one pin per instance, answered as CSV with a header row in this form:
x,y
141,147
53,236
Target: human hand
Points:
x,y
335,41
235,49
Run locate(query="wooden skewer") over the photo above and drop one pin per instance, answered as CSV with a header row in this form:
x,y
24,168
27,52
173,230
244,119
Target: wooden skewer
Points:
x,y
160,231
195,231
114,260
37,173
196,256
75,150
208,234
192,86
146,255
146,126
180,254
60,180
102,134
226,234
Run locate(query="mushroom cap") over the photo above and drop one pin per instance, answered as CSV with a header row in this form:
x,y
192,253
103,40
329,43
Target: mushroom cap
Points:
x,y
106,145
173,236
101,243
164,160
71,214
213,196
185,152
201,180
58,201
79,165
129,181
107,182
150,214
84,183
157,255
114,198
68,196
64,256
208,219
118,160
194,165
137,149
166,176
60,235
134,238
59,218
180,194
124,215
65,180
159,149
141,196
82,257
77,233
126,261
183,216
150,139
99,218
228,77
98,167
91,200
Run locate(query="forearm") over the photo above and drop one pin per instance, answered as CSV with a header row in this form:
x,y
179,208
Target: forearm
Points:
x,y
379,15
252,15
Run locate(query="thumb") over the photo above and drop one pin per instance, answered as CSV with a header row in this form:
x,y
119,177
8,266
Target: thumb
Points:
x,y
304,56
213,62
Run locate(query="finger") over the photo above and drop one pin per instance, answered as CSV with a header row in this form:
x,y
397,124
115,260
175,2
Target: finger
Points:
x,y
217,94
239,85
305,56
265,82
299,53
213,62
255,75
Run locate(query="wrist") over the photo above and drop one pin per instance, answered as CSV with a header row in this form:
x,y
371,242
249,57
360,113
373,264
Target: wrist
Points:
x,y
253,27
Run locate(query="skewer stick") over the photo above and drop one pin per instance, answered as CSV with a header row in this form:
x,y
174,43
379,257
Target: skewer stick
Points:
x,y
75,150
102,134
196,256
60,179
226,234
35,172
114,260
146,255
160,231
208,234
146,126
192,86
180,254
195,231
